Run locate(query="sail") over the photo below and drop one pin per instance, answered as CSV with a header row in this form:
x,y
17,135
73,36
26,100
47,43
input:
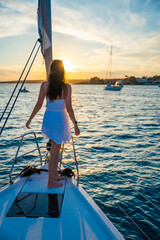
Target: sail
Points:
x,y
45,30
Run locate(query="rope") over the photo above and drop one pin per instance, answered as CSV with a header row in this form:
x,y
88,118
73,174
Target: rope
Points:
x,y
125,214
18,82
19,90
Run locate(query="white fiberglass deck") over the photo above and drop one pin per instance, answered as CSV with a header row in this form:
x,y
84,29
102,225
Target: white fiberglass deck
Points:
x,y
80,217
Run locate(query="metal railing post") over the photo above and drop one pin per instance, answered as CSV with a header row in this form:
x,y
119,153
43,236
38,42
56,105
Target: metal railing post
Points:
x,y
15,160
16,156
38,147
61,156
75,161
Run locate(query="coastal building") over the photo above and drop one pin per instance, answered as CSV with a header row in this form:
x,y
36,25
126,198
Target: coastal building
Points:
x,y
142,80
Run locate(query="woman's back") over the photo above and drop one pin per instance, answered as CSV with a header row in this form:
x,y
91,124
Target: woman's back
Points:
x,y
58,104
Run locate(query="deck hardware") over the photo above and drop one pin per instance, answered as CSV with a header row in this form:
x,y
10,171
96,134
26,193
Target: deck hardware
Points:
x,y
15,159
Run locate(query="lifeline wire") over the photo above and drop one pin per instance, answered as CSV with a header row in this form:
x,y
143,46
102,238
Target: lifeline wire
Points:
x,y
126,214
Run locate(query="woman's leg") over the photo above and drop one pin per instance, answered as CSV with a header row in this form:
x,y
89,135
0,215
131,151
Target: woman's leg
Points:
x,y
53,165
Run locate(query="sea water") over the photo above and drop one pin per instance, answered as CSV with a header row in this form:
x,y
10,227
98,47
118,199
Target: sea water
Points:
x,y
118,150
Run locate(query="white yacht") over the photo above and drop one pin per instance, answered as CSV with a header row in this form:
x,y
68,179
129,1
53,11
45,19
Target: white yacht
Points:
x,y
113,87
110,86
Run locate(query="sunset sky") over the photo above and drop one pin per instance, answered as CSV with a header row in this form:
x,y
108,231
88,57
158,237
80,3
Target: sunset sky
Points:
x,y
83,32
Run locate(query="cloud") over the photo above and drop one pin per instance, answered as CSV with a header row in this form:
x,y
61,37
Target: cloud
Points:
x,y
77,23
116,27
80,22
100,24
10,72
12,69
13,72
144,47
136,20
16,17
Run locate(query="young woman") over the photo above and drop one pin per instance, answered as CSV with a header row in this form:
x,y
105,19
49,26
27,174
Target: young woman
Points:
x,y
55,124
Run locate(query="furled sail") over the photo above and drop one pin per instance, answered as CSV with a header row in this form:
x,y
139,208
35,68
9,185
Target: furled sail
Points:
x,y
45,30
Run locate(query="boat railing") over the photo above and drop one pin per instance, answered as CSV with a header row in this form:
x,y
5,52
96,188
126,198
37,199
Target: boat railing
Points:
x,y
15,159
73,157
38,148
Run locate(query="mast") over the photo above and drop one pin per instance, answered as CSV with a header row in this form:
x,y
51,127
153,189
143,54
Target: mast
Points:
x,y
110,62
45,33
45,30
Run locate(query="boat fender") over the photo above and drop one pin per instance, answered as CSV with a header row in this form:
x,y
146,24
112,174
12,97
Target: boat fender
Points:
x,y
29,170
67,172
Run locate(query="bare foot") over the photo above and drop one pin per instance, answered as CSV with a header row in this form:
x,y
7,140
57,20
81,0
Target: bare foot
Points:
x,y
59,178
54,185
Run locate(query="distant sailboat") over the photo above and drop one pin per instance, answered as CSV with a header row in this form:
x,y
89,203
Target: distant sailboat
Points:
x,y
24,89
118,85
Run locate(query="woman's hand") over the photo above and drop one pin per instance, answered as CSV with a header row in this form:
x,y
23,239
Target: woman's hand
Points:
x,y
76,129
27,124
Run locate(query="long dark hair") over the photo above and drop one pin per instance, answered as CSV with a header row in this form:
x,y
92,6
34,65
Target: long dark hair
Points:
x,y
56,80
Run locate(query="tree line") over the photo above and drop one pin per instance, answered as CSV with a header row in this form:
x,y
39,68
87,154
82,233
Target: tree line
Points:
x,y
127,80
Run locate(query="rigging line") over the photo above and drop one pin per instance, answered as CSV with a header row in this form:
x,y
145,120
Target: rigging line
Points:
x,y
136,190
78,141
123,190
130,185
141,184
131,220
19,90
125,213
138,179
18,81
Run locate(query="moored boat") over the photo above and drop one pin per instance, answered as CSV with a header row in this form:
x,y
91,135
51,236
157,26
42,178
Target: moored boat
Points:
x,y
113,87
118,84
24,90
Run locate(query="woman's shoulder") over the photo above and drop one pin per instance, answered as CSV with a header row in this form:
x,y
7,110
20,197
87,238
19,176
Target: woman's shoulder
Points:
x,y
44,85
68,86
66,90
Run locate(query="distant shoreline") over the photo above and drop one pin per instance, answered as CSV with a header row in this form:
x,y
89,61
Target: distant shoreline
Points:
x,y
84,82
32,81
81,83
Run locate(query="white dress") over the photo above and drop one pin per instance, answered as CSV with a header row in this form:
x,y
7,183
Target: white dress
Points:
x,y
56,122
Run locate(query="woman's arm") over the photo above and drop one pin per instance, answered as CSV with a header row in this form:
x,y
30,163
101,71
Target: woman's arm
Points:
x,y
38,104
68,101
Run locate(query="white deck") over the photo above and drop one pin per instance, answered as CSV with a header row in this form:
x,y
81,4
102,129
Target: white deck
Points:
x,y
80,217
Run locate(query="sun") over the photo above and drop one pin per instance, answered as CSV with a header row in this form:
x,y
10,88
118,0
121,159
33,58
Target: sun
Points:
x,y
67,65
